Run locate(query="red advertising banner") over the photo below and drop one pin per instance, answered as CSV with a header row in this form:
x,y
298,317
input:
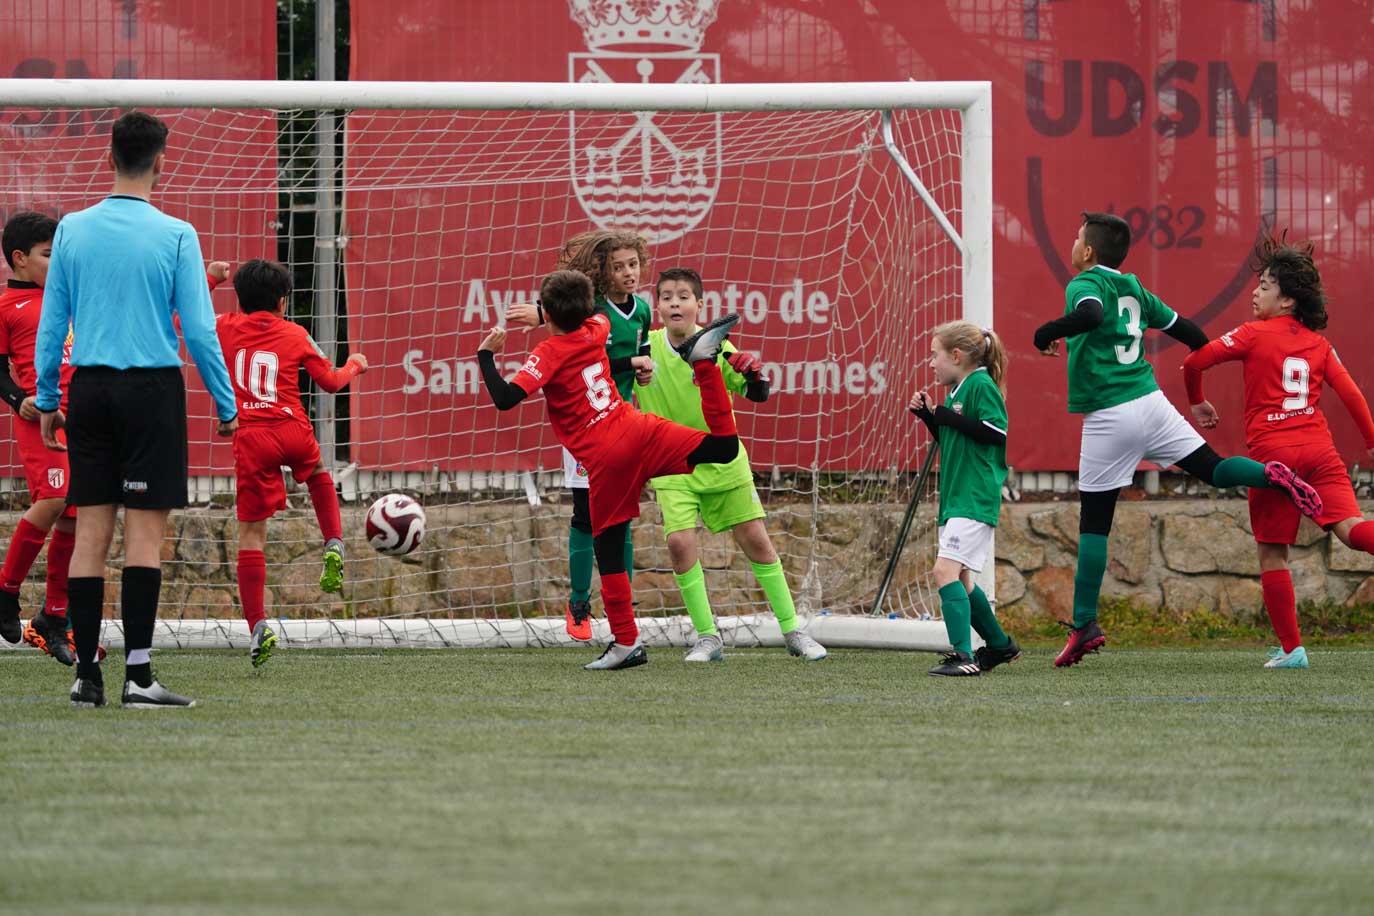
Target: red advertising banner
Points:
x,y
220,178
1202,123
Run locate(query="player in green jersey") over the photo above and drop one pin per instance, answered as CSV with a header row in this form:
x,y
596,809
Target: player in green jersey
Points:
x,y
1126,418
722,494
971,427
613,259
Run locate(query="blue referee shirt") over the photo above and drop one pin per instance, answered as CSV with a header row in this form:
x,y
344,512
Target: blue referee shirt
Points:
x,y
119,271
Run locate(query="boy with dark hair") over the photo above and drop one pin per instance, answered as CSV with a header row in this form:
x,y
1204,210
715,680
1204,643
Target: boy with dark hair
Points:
x,y
722,495
1285,362
27,242
1127,419
266,353
620,447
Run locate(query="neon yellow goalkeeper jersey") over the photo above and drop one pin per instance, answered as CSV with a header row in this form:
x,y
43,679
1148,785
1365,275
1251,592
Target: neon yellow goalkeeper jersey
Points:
x,y
673,395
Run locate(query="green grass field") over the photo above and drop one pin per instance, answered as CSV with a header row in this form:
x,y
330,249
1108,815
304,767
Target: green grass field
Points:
x,y
1187,781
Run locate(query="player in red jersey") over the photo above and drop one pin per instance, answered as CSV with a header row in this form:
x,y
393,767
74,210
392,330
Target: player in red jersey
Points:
x,y
1285,362
620,447
265,354
27,241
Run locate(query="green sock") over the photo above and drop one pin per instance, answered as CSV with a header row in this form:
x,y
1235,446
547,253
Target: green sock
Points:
x,y
580,560
1240,472
629,553
985,621
1087,580
773,581
954,607
692,584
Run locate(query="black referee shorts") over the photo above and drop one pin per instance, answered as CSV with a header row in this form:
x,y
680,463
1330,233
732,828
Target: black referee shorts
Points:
x,y
126,438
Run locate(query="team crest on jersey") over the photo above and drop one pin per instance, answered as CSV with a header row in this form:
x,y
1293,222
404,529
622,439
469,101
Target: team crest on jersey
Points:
x,y
655,171
957,407
56,478
581,471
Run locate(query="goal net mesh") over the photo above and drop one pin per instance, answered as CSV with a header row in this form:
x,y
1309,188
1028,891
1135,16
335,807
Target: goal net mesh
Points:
x,y
800,222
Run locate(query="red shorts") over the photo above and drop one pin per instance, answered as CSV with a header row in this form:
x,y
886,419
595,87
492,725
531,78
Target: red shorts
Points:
x,y
1274,518
47,471
260,451
635,448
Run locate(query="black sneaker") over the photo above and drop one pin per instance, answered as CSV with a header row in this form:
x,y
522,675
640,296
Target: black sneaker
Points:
x,y
88,693
49,634
989,658
154,696
955,664
706,343
11,631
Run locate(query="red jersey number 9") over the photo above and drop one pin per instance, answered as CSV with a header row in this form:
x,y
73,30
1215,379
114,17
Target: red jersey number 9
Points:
x,y
1295,375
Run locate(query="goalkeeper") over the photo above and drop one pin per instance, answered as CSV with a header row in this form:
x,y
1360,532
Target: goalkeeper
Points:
x,y
722,494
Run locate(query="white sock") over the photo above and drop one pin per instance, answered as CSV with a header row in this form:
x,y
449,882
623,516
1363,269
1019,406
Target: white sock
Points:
x,y
139,657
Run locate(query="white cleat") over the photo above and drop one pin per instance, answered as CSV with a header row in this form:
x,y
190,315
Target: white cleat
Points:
x,y
708,648
617,657
803,646
706,343
154,696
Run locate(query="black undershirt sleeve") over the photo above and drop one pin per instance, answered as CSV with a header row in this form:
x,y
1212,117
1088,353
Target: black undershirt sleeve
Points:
x,y
1082,319
972,427
504,394
9,389
1187,333
756,389
621,364
928,418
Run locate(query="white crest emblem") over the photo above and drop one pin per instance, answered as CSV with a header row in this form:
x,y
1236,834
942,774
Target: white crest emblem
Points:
x,y
656,172
56,476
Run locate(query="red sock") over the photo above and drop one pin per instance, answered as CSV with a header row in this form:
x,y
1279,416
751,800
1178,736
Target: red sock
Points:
x,y
25,546
715,399
59,561
326,503
252,585
620,609
1282,605
1362,537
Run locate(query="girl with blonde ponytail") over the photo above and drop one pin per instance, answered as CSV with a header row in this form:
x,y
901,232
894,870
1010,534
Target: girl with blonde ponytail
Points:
x,y
971,428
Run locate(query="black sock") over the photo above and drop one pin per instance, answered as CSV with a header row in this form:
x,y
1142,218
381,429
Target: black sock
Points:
x,y
85,607
141,587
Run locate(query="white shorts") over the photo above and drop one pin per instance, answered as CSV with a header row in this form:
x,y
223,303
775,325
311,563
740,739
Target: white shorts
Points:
x,y
966,542
1116,439
574,474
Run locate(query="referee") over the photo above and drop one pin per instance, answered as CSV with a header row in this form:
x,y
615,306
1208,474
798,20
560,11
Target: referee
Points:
x,y
120,271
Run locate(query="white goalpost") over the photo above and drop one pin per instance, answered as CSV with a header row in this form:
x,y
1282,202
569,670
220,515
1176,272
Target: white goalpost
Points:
x,y
842,221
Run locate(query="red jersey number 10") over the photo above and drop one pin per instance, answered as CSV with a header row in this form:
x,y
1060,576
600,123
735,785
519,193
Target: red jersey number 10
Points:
x,y
257,374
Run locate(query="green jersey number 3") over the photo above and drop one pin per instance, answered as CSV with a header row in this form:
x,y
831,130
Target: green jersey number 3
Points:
x,y
1130,307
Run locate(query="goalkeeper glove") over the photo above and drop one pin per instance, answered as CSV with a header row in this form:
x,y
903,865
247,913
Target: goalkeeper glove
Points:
x,y
746,364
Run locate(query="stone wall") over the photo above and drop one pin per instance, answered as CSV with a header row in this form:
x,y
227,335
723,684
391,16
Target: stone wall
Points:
x,y
508,558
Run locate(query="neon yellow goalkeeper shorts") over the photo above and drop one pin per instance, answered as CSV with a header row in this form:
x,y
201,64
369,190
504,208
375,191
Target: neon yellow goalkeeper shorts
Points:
x,y
719,511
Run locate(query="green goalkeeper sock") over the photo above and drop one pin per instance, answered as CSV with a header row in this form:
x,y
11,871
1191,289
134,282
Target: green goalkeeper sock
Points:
x,y
629,553
580,560
1239,472
985,621
1087,580
692,584
954,607
773,581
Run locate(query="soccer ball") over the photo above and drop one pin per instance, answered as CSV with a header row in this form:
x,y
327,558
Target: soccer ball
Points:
x,y
395,525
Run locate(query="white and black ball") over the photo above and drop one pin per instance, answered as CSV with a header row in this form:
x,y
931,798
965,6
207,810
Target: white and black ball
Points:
x,y
395,525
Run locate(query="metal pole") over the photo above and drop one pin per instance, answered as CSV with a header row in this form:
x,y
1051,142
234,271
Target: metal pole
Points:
x,y
326,230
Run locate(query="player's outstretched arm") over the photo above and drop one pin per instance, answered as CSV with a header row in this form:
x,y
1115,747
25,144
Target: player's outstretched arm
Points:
x,y
1341,382
329,378
504,394
1223,349
1086,315
1187,333
751,367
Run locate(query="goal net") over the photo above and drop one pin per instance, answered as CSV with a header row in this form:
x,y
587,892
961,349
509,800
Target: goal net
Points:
x,y
840,222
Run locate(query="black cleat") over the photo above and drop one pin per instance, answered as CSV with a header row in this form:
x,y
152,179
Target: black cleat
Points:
x,y
989,658
955,664
11,630
88,693
49,634
706,343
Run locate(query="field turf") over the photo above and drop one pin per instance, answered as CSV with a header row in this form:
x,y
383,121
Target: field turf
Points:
x,y
1187,781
